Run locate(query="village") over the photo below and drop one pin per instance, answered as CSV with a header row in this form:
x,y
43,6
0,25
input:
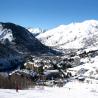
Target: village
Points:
x,y
45,71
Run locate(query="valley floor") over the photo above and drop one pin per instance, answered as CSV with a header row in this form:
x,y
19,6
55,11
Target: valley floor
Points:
x,y
74,89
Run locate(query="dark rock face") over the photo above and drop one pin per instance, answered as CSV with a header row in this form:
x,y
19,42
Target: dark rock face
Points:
x,y
24,41
9,59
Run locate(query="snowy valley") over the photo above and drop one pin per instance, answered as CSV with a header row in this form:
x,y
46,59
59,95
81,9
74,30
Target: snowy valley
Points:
x,y
63,65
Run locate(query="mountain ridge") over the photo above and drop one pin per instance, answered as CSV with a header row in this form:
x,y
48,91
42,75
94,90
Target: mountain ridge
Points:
x,y
74,35
21,39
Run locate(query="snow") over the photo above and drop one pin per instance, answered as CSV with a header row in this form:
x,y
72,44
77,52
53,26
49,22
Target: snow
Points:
x,y
73,89
89,68
74,35
5,34
9,35
50,71
36,31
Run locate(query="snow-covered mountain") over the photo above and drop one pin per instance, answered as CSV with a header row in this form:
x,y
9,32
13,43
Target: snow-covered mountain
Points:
x,y
84,80
16,42
20,39
36,31
74,35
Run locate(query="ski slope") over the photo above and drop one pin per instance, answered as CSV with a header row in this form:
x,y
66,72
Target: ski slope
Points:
x,y
73,89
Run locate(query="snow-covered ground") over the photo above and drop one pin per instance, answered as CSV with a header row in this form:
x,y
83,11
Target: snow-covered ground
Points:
x,y
72,89
89,68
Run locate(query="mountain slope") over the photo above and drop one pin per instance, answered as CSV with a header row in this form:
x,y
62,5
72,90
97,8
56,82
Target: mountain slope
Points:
x,y
20,39
74,35
16,43
9,59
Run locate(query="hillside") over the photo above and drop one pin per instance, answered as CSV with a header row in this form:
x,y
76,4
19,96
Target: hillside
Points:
x,y
75,35
20,39
16,43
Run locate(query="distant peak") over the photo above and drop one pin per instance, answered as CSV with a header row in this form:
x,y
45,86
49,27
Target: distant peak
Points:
x,y
92,22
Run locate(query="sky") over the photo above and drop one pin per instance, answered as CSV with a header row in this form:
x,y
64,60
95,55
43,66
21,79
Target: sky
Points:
x,y
47,14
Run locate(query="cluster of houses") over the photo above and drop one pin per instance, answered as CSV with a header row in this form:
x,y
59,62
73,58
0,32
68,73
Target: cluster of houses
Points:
x,y
42,69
